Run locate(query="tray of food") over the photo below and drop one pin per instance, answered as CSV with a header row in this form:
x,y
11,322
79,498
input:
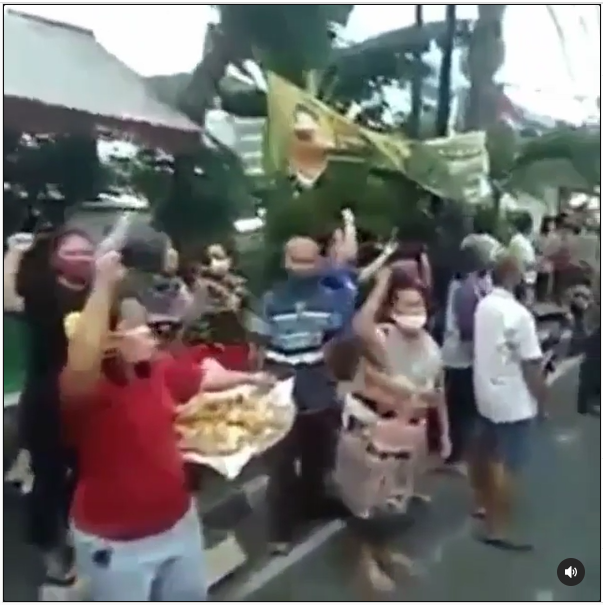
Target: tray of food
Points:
x,y
226,430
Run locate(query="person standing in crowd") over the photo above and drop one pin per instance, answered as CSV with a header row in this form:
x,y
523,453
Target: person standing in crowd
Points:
x,y
589,389
298,316
522,248
472,283
399,405
136,530
509,387
544,278
558,251
227,290
50,279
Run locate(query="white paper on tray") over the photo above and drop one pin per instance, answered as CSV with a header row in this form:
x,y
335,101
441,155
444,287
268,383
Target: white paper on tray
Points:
x,y
231,465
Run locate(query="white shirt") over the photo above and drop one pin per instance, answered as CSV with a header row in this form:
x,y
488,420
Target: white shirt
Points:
x,y
523,249
505,337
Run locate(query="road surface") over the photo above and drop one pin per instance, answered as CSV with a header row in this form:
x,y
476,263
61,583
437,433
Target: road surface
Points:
x,y
562,517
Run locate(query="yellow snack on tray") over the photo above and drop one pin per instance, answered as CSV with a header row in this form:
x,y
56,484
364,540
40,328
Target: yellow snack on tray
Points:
x,y
217,425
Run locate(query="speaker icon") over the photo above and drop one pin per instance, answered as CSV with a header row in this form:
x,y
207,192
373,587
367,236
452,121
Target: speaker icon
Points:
x,y
571,572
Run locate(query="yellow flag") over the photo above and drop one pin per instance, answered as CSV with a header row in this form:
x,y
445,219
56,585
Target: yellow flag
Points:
x,y
302,133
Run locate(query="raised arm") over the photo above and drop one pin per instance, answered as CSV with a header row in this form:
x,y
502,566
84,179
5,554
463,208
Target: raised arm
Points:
x,y
366,273
12,301
365,324
18,244
346,240
88,340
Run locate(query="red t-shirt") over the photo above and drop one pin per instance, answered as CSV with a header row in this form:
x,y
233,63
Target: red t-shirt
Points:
x,y
131,478
182,373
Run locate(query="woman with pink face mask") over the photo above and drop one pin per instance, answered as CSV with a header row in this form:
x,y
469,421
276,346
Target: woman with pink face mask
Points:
x,y
396,399
50,280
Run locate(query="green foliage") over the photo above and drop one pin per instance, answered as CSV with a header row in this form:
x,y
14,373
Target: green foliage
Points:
x,y
581,147
201,199
69,163
288,39
352,73
51,173
503,144
381,201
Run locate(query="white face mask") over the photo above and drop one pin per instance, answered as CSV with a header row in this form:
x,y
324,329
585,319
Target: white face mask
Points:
x,y
410,323
220,266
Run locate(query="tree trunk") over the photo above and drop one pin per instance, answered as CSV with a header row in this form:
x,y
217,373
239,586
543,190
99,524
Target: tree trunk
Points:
x,y
445,82
199,95
416,83
485,57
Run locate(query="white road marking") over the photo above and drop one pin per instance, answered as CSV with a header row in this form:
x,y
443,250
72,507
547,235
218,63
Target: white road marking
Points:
x,y
278,565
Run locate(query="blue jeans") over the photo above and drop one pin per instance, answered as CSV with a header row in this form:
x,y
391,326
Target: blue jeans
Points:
x,y
166,567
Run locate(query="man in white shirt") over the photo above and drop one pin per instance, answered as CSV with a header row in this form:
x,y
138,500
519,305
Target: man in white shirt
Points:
x,y
522,248
509,385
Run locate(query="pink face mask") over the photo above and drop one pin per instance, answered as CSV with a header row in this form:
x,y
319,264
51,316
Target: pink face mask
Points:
x,y
74,259
410,323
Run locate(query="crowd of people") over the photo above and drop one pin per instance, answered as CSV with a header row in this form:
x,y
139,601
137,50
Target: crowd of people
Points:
x,y
382,397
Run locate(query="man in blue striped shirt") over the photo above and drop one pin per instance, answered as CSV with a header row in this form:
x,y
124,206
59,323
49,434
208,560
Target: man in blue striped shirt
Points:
x,y
299,316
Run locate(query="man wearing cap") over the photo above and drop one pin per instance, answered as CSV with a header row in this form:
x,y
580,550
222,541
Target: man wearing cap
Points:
x,y
298,316
509,387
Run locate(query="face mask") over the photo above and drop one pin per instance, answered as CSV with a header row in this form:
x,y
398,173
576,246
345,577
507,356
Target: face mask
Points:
x,y
410,323
220,266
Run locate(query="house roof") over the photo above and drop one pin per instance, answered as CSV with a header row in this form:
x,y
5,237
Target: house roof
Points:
x,y
58,77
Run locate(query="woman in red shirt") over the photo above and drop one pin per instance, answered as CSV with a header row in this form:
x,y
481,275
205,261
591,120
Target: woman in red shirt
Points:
x,y
136,531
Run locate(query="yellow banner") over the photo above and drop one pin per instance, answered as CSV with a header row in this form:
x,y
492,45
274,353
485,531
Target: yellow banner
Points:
x,y
303,133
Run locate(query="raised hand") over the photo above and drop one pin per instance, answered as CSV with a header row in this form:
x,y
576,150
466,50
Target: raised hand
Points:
x,y
109,269
349,220
20,242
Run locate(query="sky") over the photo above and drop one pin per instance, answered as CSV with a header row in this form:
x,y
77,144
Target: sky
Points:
x,y
165,39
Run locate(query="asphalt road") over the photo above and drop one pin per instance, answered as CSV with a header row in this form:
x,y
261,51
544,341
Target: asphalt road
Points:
x,y
562,516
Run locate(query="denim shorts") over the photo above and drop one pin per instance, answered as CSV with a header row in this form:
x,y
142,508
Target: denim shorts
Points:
x,y
505,442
